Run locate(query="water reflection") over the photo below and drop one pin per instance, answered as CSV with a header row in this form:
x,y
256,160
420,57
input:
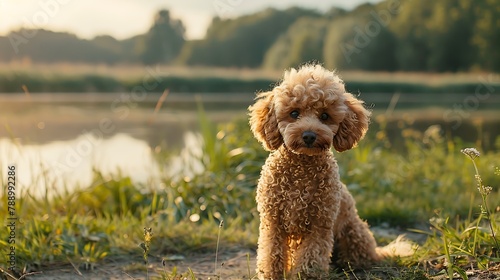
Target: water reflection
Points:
x,y
189,160
66,165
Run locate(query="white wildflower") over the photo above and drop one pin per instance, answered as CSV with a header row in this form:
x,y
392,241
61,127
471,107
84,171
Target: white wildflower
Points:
x,y
472,153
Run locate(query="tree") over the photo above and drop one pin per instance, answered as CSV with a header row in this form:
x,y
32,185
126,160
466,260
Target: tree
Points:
x,y
450,40
412,32
435,35
361,40
302,42
164,40
486,34
243,41
52,47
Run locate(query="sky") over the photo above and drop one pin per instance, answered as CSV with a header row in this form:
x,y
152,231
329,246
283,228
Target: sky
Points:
x,y
125,18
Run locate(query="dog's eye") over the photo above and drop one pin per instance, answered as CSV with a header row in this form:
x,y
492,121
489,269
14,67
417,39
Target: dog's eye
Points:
x,y
324,116
294,114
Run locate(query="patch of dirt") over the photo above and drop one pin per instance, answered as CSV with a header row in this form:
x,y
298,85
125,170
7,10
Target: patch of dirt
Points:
x,y
232,264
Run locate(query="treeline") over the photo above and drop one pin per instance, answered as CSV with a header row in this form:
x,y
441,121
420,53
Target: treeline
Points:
x,y
393,35
161,44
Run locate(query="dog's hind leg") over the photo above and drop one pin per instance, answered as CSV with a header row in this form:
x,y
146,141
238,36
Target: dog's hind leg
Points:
x,y
354,240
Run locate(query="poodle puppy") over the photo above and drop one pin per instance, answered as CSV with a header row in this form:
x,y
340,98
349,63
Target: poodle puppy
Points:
x,y
305,210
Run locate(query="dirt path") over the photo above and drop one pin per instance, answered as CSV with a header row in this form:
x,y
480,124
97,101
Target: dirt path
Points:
x,y
232,264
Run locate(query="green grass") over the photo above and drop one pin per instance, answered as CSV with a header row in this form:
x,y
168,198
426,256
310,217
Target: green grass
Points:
x,y
96,83
426,182
128,78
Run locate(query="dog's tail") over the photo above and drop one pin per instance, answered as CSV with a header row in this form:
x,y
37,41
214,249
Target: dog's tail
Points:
x,y
400,247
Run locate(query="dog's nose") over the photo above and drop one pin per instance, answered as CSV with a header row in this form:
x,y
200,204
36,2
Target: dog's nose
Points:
x,y
309,137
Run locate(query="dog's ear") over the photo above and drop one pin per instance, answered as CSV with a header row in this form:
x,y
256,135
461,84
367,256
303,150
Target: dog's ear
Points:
x,y
263,122
354,125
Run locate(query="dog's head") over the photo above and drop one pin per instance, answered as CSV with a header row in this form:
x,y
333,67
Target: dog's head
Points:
x,y
309,112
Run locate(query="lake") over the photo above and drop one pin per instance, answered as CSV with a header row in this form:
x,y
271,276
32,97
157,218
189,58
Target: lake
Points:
x,y
57,141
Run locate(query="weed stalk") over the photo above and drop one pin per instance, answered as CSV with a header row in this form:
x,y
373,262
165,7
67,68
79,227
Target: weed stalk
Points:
x,y
484,191
148,235
221,224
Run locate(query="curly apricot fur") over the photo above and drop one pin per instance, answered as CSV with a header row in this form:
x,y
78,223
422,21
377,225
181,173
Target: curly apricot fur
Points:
x,y
304,207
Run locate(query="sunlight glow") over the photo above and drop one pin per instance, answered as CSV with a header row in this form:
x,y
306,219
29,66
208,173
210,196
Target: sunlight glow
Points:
x,y
126,18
